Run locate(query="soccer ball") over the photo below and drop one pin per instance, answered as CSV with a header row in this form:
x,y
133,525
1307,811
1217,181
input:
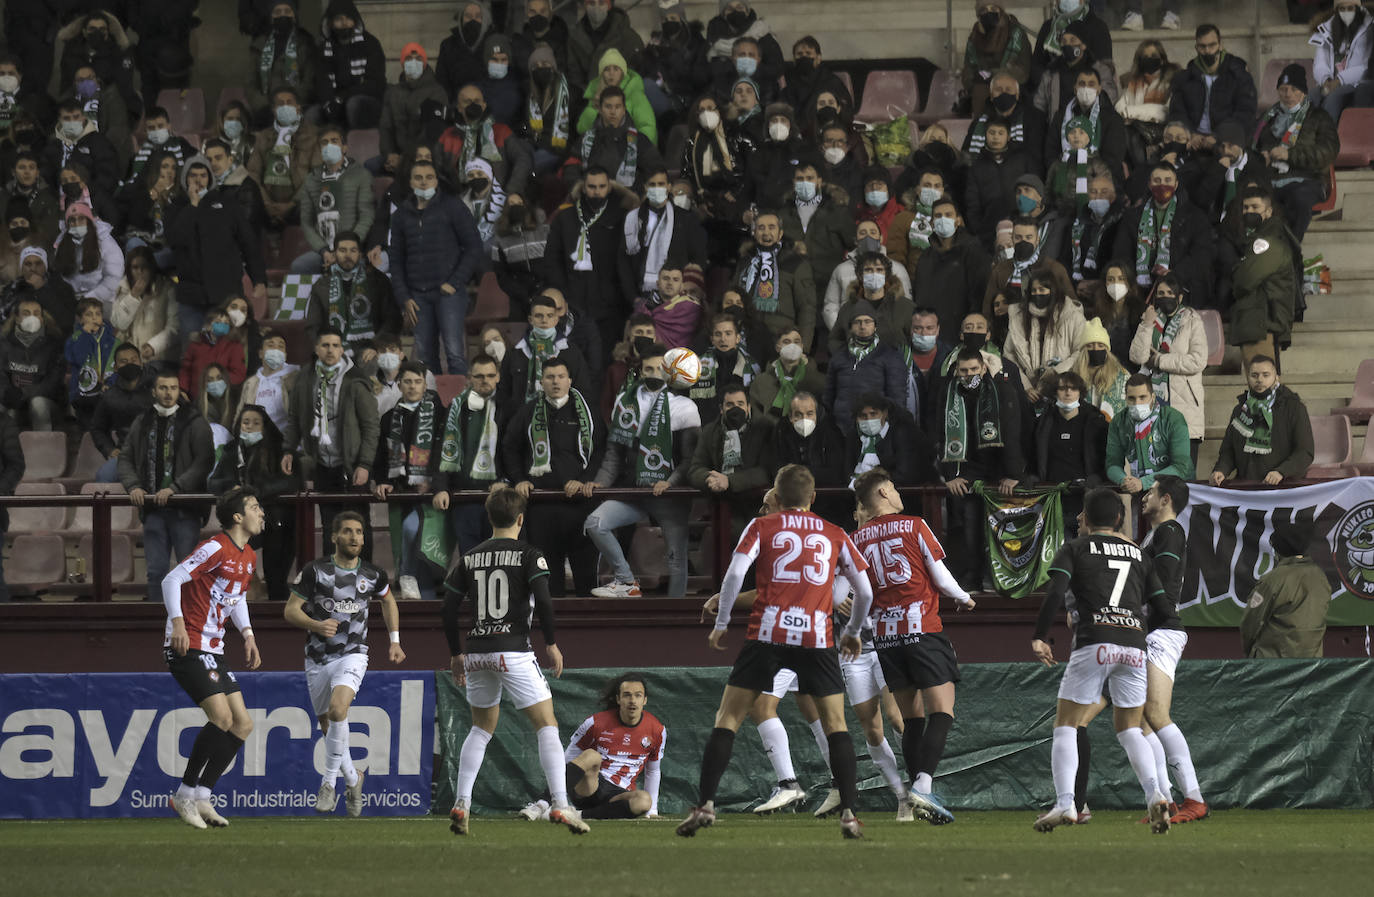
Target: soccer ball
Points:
x,y
681,367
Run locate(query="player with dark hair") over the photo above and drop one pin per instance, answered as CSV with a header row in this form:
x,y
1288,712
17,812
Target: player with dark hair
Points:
x,y
907,569
606,754
200,593
1107,580
329,600
508,581
790,627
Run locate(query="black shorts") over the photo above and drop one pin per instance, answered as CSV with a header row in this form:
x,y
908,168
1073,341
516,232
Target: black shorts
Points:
x,y
925,662
817,669
605,790
201,674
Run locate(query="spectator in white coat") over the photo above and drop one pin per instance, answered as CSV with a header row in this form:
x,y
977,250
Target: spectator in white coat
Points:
x,y
87,257
1343,41
867,238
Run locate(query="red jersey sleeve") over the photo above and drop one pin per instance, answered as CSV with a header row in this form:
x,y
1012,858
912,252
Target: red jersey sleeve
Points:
x,y
749,540
926,541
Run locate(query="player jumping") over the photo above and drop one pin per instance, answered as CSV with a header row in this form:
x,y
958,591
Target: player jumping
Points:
x,y
329,600
799,554
508,581
200,593
1110,580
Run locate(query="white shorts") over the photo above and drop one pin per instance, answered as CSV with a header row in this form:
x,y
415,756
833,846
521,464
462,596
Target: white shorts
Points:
x,y
1164,649
1121,670
321,678
516,672
783,682
863,678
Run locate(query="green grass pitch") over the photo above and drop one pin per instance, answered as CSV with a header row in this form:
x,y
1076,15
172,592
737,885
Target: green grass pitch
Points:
x,y
1314,853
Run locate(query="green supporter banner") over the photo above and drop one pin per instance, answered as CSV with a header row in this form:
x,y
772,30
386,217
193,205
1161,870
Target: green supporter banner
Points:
x,y
1228,547
1024,531
1263,734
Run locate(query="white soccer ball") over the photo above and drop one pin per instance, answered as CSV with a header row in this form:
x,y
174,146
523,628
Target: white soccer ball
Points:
x,y
681,367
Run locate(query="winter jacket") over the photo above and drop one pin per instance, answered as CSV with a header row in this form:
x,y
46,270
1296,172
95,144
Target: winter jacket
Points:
x,y
402,127
115,413
1032,123
303,80
586,45
1094,445
91,149
239,466
511,163
1291,445
999,281
304,157
1098,39
893,318
193,449
461,62
150,321
796,296
524,42
686,247
1312,153
90,360
636,103
11,463
565,450
990,193
358,422
386,313
213,246
596,293
720,38
1111,147
1263,286
755,470
677,63
33,371
991,463
355,66
765,388
1348,67
1192,246
1184,363
826,239
1042,351
1056,87
1285,615
882,371
952,279
248,192
432,246
1232,97
114,61
200,354
843,277
1169,438
608,149
515,372
103,282
905,451
351,199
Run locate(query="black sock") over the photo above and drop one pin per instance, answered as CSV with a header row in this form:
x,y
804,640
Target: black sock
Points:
x,y
845,767
714,759
204,747
913,732
227,746
933,744
1080,781
615,809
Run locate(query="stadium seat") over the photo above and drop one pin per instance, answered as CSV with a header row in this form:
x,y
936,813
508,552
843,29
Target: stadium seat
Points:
x,y
1356,132
1361,406
1329,203
364,143
649,556
228,95
84,468
45,454
1268,87
1216,335
957,129
293,244
121,557
185,109
38,520
940,99
888,95
848,81
1331,437
37,560
379,187
450,386
298,351
492,304
122,519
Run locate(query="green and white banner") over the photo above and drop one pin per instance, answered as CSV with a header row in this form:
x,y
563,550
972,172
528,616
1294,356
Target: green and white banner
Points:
x,y
1024,531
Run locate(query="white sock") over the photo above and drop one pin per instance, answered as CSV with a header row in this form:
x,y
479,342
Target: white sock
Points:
x,y
202,792
1064,762
1142,761
1180,760
551,757
822,741
335,746
469,762
1161,765
776,746
886,762
350,772
922,783
186,792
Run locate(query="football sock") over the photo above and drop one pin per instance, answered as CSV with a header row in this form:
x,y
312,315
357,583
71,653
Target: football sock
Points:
x,y
886,761
204,746
470,761
933,743
1064,762
822,742
335,746
551,757
350,772
1161,764
1080,781
844,766
921,783
1142,760
714,759
912,733
776,746
202,793
614,809
187,792
227,746
1180,760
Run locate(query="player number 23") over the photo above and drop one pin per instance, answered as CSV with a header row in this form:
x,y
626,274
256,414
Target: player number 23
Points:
x,y
493,596
791,545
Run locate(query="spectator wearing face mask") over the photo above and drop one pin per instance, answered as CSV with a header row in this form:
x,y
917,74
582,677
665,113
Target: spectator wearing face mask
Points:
x,y
547,123
159,139
975,332
212,345
868,241
885,436
1144,99
1090,105
865,364
522,369
951,269
878,203
150,201
284,154
1042,331
1013,105
1092,235
285,55
745,115
1118,303
1058,84
475,134
771,165
878,289
673,62
87,257
910,230
723,363
460,54
104,105
808,77
129,396
601,27
734,456
235,123
1170,346
1168,233
21,100
1341,59
539,26
1264,281
1071,446
807,435
99,42
1149,441
1009,280
820,221
270,387
352,73
1075,18
1214,87
924,353
215,402
52,294
499,84
790,374
144,312
402,126
77,138
996,43
640,334
991,192
1100,370
31,366
335,199
737,19
658,233
26,185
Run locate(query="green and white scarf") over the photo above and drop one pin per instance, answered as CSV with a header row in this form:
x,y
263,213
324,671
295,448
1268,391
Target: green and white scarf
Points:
x,y
787,385
325,378
918,235
479,141
860,350
168,452
408,455
478,445
1161,338
1287,134
1016,39
650,434
559,138
1146,460
978,135
582,252
989,421
541,450
538,351
1255,421
761,280
290,55
629,163
732,452
1058,23
1089,123
1155,240
350,313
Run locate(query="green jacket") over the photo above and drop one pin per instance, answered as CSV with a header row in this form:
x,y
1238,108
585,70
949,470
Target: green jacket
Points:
x,y
796,296
1168,444
351,199
636,106
1312,154
1290,441
1286,614
1264,286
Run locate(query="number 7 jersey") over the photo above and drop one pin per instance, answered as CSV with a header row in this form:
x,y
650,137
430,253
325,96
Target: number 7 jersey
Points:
x,y
798,556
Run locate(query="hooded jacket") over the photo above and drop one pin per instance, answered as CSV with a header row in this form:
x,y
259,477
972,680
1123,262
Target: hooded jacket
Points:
x,y
355,66
402,126
636,103
91,149
1348,68
150,321
461,62
214,246
587,45
103,282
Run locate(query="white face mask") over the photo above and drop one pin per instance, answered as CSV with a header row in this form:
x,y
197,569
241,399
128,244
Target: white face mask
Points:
x,y
158,136
779,130
834,155
709,119
559,402
1067,406
476,402
78,231
871,427
413,68
682,201
31,324
274,359
1140,412
1117,291
944,227
1347,16
1086,96
790,352
496,349
389,362
163,411
425,194
237,317
874,282
804,427
10,84
656,195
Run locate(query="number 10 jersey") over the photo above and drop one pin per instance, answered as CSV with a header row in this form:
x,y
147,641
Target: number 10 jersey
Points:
x,y
496,575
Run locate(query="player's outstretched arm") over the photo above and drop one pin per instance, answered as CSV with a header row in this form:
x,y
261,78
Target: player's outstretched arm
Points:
x,y
729,594
391,615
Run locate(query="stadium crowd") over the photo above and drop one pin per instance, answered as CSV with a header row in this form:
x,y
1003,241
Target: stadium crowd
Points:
x,y
1019,309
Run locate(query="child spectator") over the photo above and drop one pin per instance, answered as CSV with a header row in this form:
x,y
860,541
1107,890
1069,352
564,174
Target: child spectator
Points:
x,y
90,360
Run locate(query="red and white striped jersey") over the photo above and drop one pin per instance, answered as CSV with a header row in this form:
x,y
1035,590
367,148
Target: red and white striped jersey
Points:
x,y
624,749
797,557
899,550
219,573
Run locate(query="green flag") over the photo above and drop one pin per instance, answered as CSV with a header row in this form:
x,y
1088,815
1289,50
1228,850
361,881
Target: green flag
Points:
x,y
1024,531
295,295
434,535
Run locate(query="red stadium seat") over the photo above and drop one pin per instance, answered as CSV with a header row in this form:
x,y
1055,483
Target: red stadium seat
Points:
x,y
45,454
492,304
888,95
121,557
293,244
37,560
185,109
957,129
364,143
122,519
848,83
940,100
1331,440
1329,203
1268,88
450,386
1356,132
649,556
38,520
1361,406
1216,335
84,468
228,95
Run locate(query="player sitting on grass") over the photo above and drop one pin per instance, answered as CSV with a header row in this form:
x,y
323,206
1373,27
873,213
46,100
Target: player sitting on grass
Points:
x,y
607,752
329,600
